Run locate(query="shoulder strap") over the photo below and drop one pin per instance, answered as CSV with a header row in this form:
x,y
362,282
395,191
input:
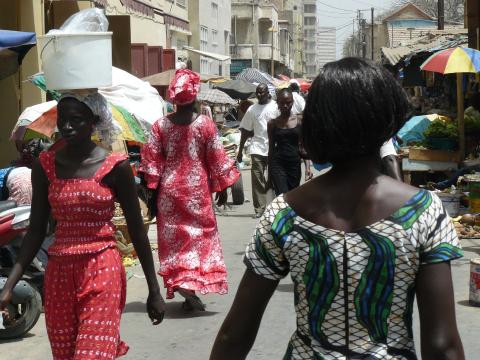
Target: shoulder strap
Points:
x,y
110,162
47,160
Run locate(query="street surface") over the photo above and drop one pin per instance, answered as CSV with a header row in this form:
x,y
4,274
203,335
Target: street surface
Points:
x,y
191,335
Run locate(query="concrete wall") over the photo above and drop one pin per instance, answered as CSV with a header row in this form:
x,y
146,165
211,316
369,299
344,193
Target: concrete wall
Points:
x,y
151,31
20,15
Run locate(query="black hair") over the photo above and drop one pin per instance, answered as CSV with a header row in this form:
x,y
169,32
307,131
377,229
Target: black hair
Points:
x,y
284,91
262,86
294,87
353,108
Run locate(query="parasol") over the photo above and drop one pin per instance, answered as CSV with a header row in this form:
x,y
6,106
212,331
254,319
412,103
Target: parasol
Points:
x,y
215,96
14,45
237,89
41,121
455,61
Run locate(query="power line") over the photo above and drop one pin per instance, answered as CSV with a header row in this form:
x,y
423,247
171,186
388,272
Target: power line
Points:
x,y
334,7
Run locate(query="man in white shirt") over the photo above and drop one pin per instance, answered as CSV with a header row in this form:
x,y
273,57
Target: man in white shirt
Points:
x,y
298,100
390,162
254,125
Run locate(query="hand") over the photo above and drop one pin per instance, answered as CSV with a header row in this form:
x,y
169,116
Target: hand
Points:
x,y
308,174
155,307
221,197
240,157
5,299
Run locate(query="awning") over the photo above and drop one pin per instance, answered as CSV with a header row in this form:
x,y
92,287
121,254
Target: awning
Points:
x,y
179,30
218,57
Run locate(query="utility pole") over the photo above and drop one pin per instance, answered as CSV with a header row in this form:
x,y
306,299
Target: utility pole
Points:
x,y
373,32
364,38
441,14
359,46
256,36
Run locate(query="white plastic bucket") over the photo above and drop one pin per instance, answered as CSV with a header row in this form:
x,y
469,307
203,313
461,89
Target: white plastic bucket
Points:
x,y
474,297
76,61
451,203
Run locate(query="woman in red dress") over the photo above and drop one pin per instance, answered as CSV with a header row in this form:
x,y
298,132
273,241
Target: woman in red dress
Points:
x,y
186,161
85,285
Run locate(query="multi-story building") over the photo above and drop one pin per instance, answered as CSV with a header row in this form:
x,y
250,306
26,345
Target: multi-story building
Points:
x,y
255,35
310,26
210,23
266,35
326,45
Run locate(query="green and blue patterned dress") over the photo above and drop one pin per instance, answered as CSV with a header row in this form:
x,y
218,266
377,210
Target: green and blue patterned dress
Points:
x,y
354,292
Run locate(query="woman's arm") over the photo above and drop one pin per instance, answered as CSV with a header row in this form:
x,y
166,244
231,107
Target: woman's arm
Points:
x,y
39,215
239,330
438,327
271,149
126,193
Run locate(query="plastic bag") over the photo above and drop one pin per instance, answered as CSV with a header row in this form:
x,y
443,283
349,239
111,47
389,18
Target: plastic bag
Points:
x,y
88,20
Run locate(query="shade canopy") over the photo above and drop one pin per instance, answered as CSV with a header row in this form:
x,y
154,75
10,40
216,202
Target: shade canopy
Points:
x,y
237,89
454,60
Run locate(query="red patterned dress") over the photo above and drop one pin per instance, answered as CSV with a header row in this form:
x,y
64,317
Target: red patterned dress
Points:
x,y
188,163
85,284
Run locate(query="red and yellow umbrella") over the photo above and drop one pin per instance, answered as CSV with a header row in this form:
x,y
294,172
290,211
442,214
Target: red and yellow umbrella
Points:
x,y
455,61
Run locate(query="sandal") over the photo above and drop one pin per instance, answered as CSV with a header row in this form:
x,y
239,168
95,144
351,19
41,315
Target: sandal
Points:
x,y
192,301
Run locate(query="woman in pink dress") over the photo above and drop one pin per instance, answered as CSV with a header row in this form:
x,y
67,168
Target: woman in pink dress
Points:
x,y
185,160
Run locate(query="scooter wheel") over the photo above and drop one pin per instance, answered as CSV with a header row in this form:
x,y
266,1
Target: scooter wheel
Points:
x,y
25,318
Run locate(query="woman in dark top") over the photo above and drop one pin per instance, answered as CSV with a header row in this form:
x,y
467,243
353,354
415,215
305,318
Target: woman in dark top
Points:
x,y
284,154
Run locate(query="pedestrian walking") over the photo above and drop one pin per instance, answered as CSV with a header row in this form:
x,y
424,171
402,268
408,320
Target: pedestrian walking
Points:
x,y
254,125
85,285
358,244
285,149
298,100
185,160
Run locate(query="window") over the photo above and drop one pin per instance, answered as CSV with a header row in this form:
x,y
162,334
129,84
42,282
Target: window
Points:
x,y
180,44
203,38
214,36
309,21
182,3
309,8
215,12
309,33
204,65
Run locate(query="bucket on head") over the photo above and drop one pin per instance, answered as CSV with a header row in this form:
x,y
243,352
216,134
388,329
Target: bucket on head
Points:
x,y
451,203
76,61
474,297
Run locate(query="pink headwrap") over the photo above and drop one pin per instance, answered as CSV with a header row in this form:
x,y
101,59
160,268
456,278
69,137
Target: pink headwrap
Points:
x,y
184,87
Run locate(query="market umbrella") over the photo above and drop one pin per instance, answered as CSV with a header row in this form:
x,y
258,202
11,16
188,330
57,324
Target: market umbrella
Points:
x,y
215,96
14,45
41,121
131,124
36,121
237,89
455,61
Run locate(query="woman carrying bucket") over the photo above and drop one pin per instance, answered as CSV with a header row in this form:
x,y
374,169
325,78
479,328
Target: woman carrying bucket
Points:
x,y
85,284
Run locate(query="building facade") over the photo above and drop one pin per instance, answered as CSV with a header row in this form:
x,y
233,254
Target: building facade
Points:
x,y
310,28
209,48
326,45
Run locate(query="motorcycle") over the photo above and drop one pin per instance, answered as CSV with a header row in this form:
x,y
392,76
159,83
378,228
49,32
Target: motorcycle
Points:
x,y
26,305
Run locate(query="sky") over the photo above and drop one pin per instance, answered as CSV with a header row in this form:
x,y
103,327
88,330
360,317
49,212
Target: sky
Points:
x,y
340,14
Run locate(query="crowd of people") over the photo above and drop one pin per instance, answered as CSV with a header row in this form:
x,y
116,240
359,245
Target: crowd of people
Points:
x,y
359,244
